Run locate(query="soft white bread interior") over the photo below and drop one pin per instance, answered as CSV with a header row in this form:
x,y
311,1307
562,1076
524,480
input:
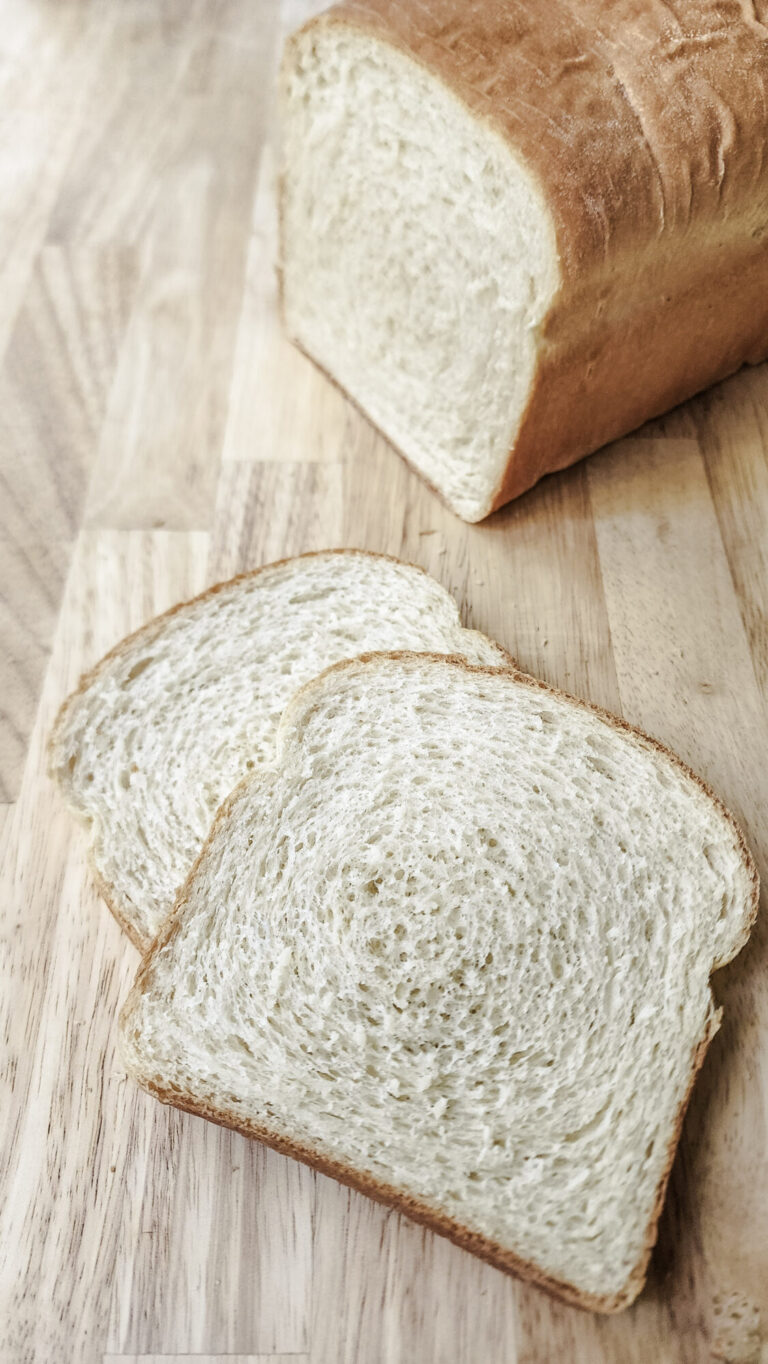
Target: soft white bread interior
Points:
x,y
159,733
456,950
419,257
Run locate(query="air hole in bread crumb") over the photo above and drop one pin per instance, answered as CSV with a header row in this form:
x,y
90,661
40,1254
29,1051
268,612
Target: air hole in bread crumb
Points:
x,y
138,669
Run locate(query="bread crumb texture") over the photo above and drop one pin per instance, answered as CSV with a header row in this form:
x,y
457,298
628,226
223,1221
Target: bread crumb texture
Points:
x,y
417,279
163,729
459,942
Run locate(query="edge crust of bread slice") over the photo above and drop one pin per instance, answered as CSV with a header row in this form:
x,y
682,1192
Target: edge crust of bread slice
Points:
x,y
455,951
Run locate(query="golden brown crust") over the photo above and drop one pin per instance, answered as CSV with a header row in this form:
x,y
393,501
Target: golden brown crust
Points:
x,y
644,128
623,112
700,1051
107,892
634,367
143,635
495,1254
436,1221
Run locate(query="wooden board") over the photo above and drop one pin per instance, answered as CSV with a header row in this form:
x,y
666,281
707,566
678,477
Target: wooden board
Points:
x,y
157,433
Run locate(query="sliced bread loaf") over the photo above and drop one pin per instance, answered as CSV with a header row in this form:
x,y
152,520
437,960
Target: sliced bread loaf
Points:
x,y
512,232
158,734
455,951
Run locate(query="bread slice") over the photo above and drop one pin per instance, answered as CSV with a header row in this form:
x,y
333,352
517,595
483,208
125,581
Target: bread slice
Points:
x,y
162,729
512,232
455,951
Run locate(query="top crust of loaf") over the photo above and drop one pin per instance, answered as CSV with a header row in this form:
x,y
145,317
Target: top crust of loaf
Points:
x,y
296,720
635,119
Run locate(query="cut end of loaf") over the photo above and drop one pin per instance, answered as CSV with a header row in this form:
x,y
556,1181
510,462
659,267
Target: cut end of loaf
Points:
x,y
474,923
418,257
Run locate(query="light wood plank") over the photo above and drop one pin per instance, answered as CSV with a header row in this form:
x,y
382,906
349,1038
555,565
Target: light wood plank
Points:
x,y
218,1257
109,192
731,425
137,142
154,59
530,577
266,512
550,1331
685,673
207,1359
76,1134
402,1293
6,814
54,384
280,406
165,425
49,56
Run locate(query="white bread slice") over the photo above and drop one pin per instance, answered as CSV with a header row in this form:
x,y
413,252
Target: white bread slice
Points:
x,y
456,952
512,232
156,736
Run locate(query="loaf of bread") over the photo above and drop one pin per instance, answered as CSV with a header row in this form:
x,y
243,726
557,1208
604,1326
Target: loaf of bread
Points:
x,y
161,730
514,231
455,950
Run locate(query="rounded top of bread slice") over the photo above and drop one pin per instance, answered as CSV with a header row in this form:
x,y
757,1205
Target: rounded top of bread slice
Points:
x,y
162,729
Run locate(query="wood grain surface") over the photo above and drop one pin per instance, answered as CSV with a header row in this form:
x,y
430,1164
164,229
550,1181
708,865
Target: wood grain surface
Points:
x,y
157,433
